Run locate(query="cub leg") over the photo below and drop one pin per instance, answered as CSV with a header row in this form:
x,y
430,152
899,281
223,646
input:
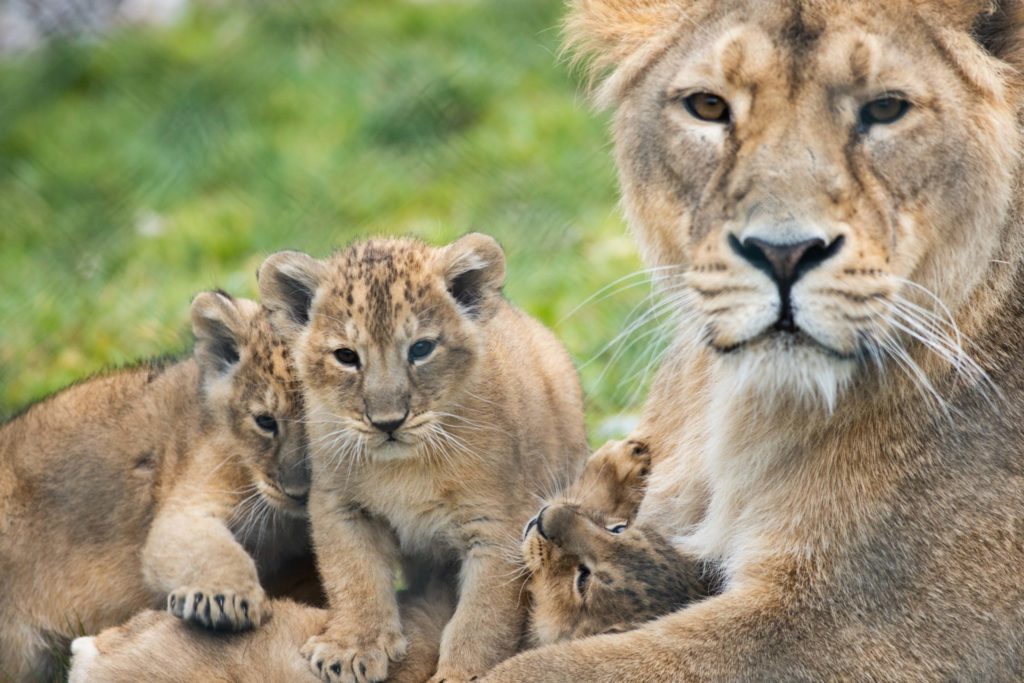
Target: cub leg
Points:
x,y
356,555
488,619
209,578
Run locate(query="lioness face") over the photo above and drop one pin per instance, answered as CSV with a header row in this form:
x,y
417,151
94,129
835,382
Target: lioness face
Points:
x,y
387,335
829,186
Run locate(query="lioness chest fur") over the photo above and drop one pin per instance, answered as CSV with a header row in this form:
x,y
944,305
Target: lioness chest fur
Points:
x,y
439,415
149,482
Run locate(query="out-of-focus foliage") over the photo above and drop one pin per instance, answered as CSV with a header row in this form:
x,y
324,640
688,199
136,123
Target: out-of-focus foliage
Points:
x,y
137,170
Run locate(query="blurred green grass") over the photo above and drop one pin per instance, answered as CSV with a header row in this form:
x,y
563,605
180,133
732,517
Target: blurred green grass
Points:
x,y
138,170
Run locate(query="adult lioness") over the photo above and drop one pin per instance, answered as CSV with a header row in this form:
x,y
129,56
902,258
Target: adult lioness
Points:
x,y
185,479
838,181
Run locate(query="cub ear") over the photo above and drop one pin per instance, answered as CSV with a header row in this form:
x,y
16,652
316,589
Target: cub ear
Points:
x,y
606,35
288,282
219,327
474,272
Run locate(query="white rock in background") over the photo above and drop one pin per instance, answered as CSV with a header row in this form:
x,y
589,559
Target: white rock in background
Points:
x,y
26,25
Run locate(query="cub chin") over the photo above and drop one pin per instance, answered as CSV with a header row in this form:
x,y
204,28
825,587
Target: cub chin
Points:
x,y
438,416
179,484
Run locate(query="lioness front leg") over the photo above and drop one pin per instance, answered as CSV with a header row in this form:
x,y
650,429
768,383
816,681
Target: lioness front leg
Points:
x,y
488,621
209,578
355,554
756,633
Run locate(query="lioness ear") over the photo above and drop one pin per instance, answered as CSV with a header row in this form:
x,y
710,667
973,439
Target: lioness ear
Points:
x,y
219,328
474,272
288,282
619,36
999,28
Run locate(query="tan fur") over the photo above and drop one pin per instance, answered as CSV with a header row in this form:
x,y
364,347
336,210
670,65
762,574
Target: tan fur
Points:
x,y
637,576
490,421
614,481
136,484
864,502
156,647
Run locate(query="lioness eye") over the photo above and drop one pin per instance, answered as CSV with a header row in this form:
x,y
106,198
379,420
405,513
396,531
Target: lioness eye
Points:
x,y
707,107
347,357
617,528
582,579
883,111
421,349
266,422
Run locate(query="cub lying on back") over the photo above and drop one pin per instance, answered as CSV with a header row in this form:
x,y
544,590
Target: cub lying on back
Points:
x,y
149,482
588,575
438,417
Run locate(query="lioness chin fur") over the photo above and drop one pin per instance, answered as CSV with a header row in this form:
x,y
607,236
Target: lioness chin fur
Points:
x,y
834,187
143,483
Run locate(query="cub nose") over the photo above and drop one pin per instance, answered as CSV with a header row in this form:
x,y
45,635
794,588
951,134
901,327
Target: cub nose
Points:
x,y
785,263
388,425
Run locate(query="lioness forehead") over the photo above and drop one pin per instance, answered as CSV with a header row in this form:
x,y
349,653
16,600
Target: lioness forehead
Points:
x,y
761,44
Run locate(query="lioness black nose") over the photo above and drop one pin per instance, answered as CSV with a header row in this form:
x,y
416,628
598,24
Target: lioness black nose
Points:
x,y
787,262
388,426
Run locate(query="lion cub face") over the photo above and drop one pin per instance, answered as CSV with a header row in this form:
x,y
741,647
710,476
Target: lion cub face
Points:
x,y
386,335
250,393
588,578
825,176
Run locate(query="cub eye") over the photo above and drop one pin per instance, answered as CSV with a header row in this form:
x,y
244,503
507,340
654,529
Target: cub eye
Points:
x,y
582,579
707,107
421,349
347,357
266,422
883,111
618,528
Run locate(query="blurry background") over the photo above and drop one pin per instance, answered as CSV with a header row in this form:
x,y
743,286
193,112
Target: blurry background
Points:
x,y
171,147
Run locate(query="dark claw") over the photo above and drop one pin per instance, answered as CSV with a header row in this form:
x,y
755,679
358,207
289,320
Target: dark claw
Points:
x,y
319,665
198,599
174,602
220,601
362,669
206,613
336,668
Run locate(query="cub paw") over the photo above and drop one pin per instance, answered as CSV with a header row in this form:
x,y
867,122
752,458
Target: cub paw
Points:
x,y
221,610
350,660
630,460
614,479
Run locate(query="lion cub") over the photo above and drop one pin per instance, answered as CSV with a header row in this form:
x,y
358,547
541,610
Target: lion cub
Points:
x,y
181,483
588,574
438,416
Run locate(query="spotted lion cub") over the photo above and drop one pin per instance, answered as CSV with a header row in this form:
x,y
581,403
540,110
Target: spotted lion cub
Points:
x,y
180,483
439,415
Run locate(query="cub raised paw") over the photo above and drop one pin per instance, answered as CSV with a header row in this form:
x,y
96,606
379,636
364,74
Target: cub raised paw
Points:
x,y
343,659
223,610
614,480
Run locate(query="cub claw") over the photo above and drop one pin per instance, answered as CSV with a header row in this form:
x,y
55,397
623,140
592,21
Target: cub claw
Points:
x,y
220,610
341,660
